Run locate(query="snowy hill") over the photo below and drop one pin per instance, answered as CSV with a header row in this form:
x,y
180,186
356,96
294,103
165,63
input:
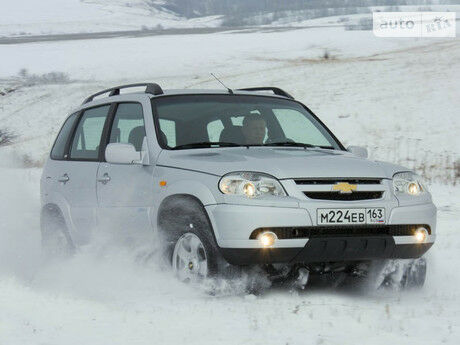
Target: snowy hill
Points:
x,y
25,17
22,18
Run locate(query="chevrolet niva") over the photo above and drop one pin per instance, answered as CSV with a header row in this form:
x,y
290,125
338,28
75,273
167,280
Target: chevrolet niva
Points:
x,y
230,178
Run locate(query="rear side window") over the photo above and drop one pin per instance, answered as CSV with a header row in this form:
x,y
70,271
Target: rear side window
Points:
x,y
128,125
87,138
58,150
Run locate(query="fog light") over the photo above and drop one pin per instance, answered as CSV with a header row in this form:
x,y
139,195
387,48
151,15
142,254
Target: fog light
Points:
x,y
267,238
421,235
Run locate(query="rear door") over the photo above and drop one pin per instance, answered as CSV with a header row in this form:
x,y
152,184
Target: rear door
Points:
x,y
55,173
125,191
77,179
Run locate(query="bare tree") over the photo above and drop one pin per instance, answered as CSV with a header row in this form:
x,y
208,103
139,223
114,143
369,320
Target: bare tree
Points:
x,y
6,137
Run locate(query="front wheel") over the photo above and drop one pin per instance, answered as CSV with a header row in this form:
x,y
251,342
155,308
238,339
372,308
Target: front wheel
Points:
x,y
190,259
398,274
415,274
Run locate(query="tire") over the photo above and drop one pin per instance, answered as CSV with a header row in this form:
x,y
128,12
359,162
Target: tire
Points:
x,y
55,238
193,257
415,274
184,222
397,274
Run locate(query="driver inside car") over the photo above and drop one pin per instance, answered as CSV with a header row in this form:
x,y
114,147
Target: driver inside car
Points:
x,y
254,129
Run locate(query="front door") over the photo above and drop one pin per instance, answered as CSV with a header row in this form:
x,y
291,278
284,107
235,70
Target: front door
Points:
x,y
125,191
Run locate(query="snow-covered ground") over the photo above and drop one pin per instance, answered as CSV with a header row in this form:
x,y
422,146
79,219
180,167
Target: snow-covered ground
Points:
x,y
384,93
109,295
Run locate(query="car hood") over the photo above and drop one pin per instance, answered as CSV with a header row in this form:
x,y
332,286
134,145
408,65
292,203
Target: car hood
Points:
x,y
283,163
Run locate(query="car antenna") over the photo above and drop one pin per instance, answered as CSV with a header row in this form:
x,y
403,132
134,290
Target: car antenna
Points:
x,y
229,90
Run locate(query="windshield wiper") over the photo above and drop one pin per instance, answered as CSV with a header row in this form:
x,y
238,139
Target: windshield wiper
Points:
x,y
204,144
293,143
289,143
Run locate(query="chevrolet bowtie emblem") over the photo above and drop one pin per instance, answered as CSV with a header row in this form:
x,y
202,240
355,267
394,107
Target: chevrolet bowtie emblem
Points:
x,y
344,187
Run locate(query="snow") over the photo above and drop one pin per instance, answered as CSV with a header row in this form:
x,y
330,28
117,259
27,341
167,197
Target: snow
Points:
x,y
160,56
109,295
383,93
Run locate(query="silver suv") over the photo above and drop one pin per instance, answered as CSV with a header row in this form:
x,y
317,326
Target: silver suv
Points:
x,y
229,178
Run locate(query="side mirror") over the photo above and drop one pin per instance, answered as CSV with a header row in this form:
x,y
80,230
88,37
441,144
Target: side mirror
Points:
x,y
122,154
359,151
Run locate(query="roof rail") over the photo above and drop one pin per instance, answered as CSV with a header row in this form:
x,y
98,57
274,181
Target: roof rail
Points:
x,y
276,90
151,88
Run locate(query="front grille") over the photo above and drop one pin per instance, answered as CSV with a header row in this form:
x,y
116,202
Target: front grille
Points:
x,y
335,189
344,196
284,233
337,180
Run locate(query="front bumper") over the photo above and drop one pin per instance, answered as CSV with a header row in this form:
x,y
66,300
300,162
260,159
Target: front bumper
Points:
x,y
233,225
336,249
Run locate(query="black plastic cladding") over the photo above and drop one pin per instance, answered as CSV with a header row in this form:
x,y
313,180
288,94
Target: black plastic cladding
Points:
x,y
276,90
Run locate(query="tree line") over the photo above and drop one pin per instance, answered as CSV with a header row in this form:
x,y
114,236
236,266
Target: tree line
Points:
x,y
197,8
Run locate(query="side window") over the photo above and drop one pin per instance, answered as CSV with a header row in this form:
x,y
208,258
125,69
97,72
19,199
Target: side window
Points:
x,y
168,128
128,125
87,138
299,128
58,150
214,130
237,120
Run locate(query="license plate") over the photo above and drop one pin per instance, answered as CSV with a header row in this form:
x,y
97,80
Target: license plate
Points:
x,y
341,216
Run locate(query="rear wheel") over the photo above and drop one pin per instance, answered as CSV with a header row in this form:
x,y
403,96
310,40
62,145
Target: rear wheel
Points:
x,y
55,239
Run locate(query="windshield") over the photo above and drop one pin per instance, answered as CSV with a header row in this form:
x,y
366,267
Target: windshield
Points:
x,y
197,121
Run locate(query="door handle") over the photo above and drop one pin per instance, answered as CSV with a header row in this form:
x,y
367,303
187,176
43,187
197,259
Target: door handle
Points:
x,y
104,179
64,178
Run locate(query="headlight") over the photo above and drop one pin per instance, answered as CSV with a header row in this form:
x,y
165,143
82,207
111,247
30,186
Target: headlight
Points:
x,y
250,184
408,183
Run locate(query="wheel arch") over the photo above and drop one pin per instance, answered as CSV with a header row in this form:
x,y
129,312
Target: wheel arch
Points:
x,y
177,209
55,200
52,211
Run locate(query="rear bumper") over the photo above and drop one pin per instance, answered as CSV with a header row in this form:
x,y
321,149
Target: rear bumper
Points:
x,y
331,249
